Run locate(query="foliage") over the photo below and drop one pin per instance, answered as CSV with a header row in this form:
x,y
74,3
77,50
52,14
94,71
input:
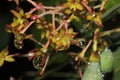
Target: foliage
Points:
x,y
65,33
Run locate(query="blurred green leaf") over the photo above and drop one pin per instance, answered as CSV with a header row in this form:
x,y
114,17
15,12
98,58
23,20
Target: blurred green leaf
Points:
x,y
66,75
4,36
116,64
112,8
51,2
111,3
58,58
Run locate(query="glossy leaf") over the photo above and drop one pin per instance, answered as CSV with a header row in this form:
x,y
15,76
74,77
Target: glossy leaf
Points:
x,y
112,8
92,72
106,60
111,3
116,64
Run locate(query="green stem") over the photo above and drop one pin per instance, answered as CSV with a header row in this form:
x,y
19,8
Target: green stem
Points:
x,y
109,32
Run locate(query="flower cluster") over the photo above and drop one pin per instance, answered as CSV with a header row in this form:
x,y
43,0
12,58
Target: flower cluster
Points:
x,y
58,33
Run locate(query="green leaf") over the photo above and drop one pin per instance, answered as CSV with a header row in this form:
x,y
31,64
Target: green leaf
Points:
x,y
111,3
106,60
111,10
36,32
116,65
58,58
92,72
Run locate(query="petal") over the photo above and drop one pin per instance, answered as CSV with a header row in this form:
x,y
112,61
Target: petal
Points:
x,y
76,18
47,34
20,27
15,13
70,30
20,20
89,17
42,35
72,6
4,53
9,59
54,40
63,41
28,15
1,61
79,6
14,24
70,18
98,20
21,11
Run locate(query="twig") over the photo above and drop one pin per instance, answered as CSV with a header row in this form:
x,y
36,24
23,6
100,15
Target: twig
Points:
x,y
66,26
97,6
39,43
32,2
81,54
23,31
59,27
22,55
80,72
44,13
53,19
109,32
31,11
95,39
53,70
49,7
86,6
47,44
43,69
102,5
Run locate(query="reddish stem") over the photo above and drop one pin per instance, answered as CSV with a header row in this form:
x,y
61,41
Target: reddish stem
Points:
x,y
43,69
80,72
31,11
53,19
85,49
23,31
66,26
87,7
102,5
32,2
61,25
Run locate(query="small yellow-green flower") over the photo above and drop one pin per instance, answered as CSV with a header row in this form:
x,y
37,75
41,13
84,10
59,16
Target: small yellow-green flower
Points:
x,y
74,5
5,57
19,19
61,40
73,17
96,17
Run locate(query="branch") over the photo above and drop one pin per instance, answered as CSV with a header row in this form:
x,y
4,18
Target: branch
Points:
x,y
23,31
105,33
46,62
